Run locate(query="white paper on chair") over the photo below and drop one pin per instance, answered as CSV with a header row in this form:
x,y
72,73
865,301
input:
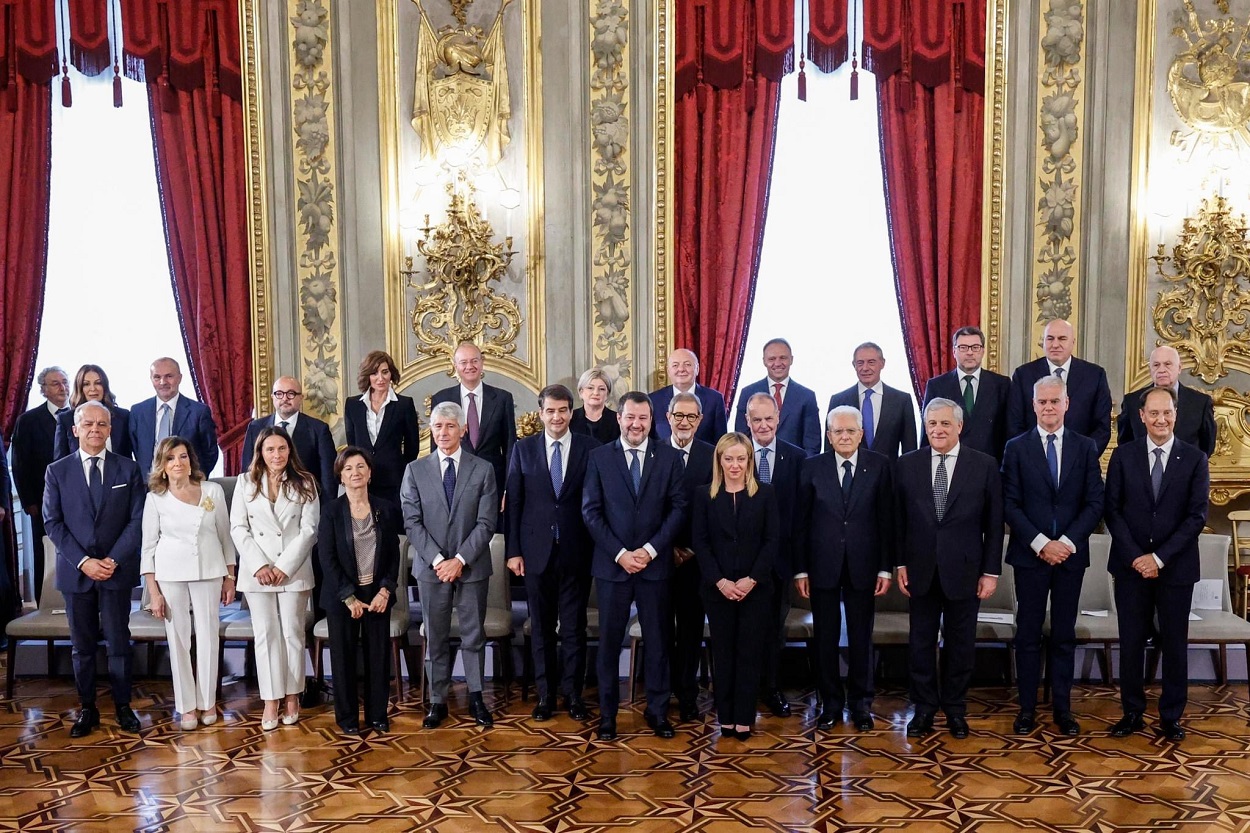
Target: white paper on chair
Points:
x,y
1208,595
996,618
1101,614
1194,617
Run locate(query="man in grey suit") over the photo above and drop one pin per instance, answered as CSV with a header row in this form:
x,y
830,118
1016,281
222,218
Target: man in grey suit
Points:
x,y
450,507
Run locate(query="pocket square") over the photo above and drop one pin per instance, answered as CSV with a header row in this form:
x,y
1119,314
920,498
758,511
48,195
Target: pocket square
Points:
x,y
121,485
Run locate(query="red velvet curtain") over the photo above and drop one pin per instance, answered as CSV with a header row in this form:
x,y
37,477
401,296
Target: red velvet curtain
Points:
x,y
184,50
731,57
929,60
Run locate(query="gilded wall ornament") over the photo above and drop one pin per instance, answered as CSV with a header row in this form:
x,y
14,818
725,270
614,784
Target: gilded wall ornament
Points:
x,y
461,97
1209,82
1206,315
312,120
1059,168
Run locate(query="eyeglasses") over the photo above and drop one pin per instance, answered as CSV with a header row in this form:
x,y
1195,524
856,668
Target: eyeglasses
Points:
x,y
287,394
969,348
686,417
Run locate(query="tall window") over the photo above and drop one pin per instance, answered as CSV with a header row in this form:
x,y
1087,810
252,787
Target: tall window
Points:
x,y
826,281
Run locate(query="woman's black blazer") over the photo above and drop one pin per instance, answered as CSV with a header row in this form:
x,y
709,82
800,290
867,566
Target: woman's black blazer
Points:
x,y
336,548
733,544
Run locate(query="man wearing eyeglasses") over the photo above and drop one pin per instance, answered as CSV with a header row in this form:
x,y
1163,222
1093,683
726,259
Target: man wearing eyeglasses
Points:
x,y
489,412
982,393
310,436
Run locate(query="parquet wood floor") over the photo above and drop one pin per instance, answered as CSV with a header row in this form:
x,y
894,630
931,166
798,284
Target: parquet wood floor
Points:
x,y
522,776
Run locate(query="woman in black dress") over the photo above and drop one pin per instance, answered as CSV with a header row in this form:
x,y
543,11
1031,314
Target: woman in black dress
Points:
x,y
736,535
91,384
594,417
383,423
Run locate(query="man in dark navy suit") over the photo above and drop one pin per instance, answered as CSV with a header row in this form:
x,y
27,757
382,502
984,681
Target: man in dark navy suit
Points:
x,y
634,504
777,463
844,540
1157,500
684,415
889,414
683,371
800,416
1089,397
310,436
982,392
34,438
549,547
1195,410
948,505
1052,500
489,410
93,510
170,414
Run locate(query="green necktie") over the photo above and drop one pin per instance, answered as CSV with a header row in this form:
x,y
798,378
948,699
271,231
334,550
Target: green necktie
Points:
x,y
969,399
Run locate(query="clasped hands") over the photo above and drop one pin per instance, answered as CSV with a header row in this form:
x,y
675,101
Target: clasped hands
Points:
x,y
449,569
99,569
378,605
270,576
1146,566
635,561
736,591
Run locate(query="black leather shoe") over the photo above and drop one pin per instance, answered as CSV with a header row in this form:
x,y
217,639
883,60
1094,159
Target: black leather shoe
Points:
x,y
577,708
958,727
687,712
778,704
920,725
660,725
829,718
1171,730
350,728
1128,724
88,719
435,715
1025,722
543,710
862,721
607,728
127,719
1066,724
481,714
380,726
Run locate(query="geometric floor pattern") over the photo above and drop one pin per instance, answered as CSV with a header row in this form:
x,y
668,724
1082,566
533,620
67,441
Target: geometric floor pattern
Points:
x,y
555,777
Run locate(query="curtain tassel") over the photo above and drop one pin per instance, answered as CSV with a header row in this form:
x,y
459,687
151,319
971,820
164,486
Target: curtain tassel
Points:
x,y
802,81
700,95
748,89
115,36
117,90
67,95
803,37
854,80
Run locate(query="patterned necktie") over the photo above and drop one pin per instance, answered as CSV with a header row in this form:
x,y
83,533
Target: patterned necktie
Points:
x,y
766,471
1052,459
162,430
449,481
472,418
869,431
847,479
557,468
1156,472
940,485
777,395
635,471
95,485
969,397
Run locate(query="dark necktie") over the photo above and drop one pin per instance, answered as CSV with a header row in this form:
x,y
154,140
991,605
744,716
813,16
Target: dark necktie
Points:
x,y
64,409
685,457
557,468
867,412
95,485
285,426
969,397
635,471
1052,459
475,426
1059,373
449,481
847,478
940,485
1156,472
766,471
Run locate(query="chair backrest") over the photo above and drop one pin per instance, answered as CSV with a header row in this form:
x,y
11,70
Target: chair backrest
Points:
x,y
499,591
1004,595
51,598
1213,564
893,601
227,486
1096,586
1241,540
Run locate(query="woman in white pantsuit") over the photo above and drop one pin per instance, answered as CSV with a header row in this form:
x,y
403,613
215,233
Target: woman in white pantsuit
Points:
x,y
188,564
274,524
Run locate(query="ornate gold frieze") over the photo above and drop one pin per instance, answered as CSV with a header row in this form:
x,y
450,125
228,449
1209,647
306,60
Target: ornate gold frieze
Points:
x,y
1207,85
994,169
258,213
313,124
1206,315
610,184
1230,464
1059,170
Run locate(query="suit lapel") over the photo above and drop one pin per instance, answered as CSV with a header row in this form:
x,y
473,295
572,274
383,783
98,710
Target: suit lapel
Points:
x,y
862,472
1037,456
623,469
956,480
1170,473
488,405
647,469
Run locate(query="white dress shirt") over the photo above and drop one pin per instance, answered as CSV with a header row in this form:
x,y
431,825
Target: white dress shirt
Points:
x,y
1067,367
173,412
1039,541
373,422
290,421
877,391
565,443
182,542
455,457
976,384
1151,445
642,463
683,450
772,389
951,460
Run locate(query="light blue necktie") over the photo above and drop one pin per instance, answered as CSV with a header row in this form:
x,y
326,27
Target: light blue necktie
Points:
x,y
635,471
766,471
869,432
162,430
1052,459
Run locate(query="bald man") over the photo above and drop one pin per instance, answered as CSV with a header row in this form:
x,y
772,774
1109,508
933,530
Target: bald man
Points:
x,y
1089,396
683,372
309,435
1195,413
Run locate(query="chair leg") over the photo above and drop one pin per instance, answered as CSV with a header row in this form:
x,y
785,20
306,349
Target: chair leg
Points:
x,y
52,656
1107,677
399,673
1221,671
221,664
633,667
319,646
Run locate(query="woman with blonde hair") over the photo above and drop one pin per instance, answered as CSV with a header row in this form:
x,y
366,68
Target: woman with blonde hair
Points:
x,y
594,417
737,530
273,522
188,564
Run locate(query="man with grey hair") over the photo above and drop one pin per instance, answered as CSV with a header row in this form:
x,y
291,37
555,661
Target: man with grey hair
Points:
x,y
450,508
844,544
1052,500
1195,410
34,438
889,414
169,414
948,507
683,372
